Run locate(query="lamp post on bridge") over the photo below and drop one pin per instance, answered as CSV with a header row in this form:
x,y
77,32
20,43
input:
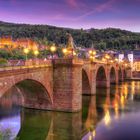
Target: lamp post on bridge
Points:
x,y
65,52
92,54
53,50
36,53
26,51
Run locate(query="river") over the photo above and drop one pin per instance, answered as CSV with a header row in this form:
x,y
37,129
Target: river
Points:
x,y
113,114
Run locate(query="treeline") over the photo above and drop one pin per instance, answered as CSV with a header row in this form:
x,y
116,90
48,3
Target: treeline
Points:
x,y
105,39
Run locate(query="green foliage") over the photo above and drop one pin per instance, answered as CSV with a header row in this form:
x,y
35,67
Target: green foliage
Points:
x,y
3,62
105,39
16,54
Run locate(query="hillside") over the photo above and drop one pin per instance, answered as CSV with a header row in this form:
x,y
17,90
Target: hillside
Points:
x,y
114,39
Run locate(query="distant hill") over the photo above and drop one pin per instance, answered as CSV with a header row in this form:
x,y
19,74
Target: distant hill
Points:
x,y
110,38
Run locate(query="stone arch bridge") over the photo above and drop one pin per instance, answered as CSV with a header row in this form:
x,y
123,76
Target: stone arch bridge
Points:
x,y
59,84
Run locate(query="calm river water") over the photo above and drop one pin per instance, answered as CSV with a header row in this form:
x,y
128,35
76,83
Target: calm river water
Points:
x,y
113,114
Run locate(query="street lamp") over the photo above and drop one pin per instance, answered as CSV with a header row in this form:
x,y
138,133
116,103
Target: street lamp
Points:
x,y
52,49
107,56
26,51
116,59
103,59
125,64
92,58
74,53
36,53
111,61
65,51
92,54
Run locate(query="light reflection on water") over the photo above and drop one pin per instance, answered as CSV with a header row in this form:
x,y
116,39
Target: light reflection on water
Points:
x,y
113,114
117,113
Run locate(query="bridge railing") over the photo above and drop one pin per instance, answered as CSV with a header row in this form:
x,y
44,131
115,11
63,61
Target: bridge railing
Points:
x,y
38,62
20,64
95,61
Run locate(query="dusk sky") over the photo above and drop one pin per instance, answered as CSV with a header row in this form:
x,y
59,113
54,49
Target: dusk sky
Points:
x,y
85,14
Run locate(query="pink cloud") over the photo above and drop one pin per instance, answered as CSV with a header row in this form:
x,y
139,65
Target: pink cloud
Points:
x,y
72,3
99,8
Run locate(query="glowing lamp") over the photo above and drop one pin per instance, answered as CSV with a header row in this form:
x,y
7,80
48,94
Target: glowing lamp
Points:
x,y
126,65
64,50
94,52
52,49
36,52
26,50
74,53
107,56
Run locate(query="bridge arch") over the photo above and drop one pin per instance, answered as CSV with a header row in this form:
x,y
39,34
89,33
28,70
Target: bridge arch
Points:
x,y
113,75
33,91
101,77
86,88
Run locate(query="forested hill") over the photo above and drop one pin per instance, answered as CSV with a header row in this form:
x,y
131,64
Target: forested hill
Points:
x,y
114,39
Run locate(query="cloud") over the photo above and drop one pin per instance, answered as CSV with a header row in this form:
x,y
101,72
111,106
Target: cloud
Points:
x,y
72,3
75,3
99,8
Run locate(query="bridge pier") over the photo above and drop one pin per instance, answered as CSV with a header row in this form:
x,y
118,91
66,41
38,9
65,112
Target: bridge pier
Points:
x,y
67,85
93,88
93,82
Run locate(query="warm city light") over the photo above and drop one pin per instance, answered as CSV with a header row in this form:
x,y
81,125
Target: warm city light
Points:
x,y
26,50
52,49
92,57
116,59
36,52
107,56
125,64
90,51
111,61
94,52
103,59
64,50
94,133
90,138
74,53
107,117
